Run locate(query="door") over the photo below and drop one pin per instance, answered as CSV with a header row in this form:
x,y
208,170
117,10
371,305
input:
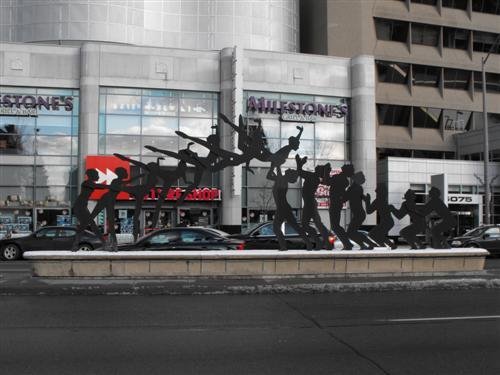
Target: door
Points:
x,y
65,238
490,239
263,238
162,240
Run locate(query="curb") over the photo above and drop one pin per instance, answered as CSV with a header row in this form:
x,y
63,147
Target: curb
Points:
x,y
135,289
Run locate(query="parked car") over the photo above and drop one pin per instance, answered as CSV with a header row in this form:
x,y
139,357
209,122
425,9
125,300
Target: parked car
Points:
x,y
262,237
486,237
47,238
184,238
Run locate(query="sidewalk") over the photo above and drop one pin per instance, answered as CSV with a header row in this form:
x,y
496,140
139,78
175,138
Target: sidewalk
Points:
x,y
19,281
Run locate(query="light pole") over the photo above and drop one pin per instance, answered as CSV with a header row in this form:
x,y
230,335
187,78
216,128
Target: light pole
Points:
x,y
486,135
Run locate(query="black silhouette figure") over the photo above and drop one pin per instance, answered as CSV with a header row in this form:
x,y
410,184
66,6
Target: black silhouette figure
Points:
x,y
81,211
417,220
338,184
310,208
142,189
380,232
284,212
279,157
447,222
253,144
354,195
108,201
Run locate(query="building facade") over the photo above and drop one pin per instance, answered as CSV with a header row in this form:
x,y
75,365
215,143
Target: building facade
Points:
x,y
69,108
428,99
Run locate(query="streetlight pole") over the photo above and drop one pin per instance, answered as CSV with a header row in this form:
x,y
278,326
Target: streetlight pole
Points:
x,y
486,157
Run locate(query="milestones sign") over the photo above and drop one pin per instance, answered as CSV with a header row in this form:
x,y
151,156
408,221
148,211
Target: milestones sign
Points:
x,y
28,105
296,111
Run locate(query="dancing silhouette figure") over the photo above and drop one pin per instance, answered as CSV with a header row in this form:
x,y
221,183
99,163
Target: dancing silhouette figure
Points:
x,y
81,210
284,212
141,190
310,208
354,195
447,222
107,202
338,184
417,220
380,232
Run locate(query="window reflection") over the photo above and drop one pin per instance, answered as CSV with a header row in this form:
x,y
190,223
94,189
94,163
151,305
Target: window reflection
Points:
x,y
196,127
330,150
15,144
424,117
49,175
123,104
53,145
160,106
195,107
123,144
123,124
159,126
289,129
457,120
328,131
164,143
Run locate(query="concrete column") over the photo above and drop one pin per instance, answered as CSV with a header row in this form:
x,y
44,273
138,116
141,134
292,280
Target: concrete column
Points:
x,y
231,102
88,138
363,123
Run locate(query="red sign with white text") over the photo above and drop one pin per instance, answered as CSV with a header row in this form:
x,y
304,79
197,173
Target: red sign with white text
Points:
x,y
106,166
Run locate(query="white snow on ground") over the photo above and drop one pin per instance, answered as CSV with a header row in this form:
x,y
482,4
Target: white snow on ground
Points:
x,y
377,252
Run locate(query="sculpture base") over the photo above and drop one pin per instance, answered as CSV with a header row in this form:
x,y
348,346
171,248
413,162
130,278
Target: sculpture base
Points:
x,y
253,263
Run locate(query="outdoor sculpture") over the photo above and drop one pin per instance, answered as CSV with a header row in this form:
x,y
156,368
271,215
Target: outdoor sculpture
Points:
x,y
343,187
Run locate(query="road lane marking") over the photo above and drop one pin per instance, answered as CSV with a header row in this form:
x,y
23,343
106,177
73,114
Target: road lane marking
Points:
x,y
443,318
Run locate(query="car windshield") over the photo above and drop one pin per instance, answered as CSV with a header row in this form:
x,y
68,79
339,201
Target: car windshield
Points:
x,y
474,232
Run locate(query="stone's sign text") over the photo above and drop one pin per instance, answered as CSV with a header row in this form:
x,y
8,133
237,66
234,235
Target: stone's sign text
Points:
x,y
30,102
288,108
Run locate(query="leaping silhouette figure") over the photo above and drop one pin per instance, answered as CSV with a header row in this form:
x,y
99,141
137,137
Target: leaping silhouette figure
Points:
x,y
284,212
81,210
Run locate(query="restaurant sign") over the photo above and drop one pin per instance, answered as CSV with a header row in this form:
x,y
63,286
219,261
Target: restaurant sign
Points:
x,y
28,105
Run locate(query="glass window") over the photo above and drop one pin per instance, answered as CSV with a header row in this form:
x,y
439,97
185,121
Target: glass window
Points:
x,y
12,144
391,30
266,230
289,129
330,150
455,38
159,125
271,128
483,42
53,145
196,126
392,72
49,175
11,175
427,35
199,149
194,236
123,124
123,104
53,195
492,82
306,148
47,233
424,117
328,131
457,120
67,232
457,4
486,6
196,107
16,195
393,114
456,79
160,106
426,75
54,125
123,144
163,143
164,238
492,230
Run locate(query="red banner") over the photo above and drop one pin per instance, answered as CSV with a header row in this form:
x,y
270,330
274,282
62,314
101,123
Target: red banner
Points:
x,y
106,166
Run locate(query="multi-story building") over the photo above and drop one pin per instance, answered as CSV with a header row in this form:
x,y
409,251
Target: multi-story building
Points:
x,y
125,76
428,61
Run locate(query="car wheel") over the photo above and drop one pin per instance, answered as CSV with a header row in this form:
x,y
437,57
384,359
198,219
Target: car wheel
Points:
x,y
85,247
11,252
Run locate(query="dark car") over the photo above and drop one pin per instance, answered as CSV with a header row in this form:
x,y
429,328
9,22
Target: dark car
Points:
x,y
47,238
262,237
486,237
189,238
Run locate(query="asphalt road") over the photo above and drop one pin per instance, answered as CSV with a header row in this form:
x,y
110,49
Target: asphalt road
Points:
x,y
429,332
